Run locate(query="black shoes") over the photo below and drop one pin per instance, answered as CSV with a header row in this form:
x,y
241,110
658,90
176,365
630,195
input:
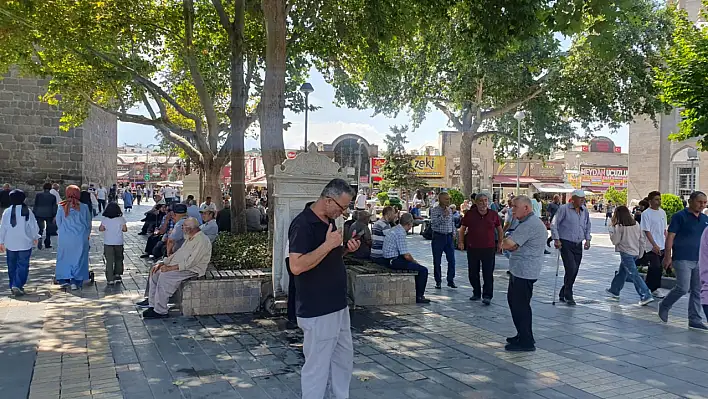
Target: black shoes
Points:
x,y
516,347
143,304
144,256
422,299
150,313
515,340
475,298
570,301
438,286
451,284
486,301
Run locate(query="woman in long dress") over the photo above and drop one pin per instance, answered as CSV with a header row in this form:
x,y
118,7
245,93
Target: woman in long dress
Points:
x,y
74,228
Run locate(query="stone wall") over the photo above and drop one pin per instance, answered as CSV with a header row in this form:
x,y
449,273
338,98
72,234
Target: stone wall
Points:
x,y
449,143
33,150
644,158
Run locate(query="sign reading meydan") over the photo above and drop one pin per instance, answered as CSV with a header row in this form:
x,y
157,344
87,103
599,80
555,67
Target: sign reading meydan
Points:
x,y
603,176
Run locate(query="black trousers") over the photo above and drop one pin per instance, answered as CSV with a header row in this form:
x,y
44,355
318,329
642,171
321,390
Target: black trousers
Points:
x,y
519,297
159,250
572,255
44,226
653,278
101,205
484,257
151,242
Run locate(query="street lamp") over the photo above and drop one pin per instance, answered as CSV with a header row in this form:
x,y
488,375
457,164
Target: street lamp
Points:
x,y
693,157
306,89
519,116
359,142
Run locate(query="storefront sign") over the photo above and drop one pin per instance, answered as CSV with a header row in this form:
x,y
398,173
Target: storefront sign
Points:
x,y
603,176
429,166
376,165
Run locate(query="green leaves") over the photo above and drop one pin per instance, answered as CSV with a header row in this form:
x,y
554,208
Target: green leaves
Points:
x,y
683,79
398,171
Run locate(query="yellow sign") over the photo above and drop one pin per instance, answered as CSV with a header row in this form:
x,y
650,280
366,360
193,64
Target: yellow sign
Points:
x,y
429,166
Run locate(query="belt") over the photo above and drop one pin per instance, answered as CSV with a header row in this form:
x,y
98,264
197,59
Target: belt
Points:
x,y
442,234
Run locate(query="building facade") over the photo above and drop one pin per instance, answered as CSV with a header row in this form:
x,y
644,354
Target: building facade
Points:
x,y
33,150
482,160
595,166
655,162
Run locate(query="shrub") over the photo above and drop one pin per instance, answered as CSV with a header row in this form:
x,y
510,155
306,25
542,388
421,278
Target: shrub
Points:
x,y
671,204
618,197
382,197
394,202
457,198
242,251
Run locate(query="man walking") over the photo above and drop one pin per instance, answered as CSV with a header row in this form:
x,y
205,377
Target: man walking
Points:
x,y
443,228
570,226
526,246
315,247
653,224
683,244
4,198
102,196
480,224
45,210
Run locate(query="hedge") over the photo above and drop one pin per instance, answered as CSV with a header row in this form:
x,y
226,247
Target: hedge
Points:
x,y
242,251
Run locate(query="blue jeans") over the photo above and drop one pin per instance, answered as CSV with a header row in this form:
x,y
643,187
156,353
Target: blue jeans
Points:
x,y
628,272
18,267
443,243
421,280
688,281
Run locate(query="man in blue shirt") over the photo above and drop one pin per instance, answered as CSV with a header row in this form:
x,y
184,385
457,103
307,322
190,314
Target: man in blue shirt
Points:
x,y
570,226
682,248
315,257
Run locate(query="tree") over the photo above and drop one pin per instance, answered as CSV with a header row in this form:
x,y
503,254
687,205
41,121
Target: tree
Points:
x,y
683,79
195,66
441,58
398,171
618,197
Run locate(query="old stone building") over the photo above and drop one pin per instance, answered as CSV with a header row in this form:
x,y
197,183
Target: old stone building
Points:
x,y
655,162
33,150
482,160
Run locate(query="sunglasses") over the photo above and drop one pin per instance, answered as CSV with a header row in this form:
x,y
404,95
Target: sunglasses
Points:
x,y
343,208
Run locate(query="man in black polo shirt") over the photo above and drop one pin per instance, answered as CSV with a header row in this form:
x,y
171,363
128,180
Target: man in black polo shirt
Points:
x,y
321,292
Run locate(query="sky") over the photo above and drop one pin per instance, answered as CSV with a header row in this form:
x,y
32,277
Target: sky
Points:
x,y
330,121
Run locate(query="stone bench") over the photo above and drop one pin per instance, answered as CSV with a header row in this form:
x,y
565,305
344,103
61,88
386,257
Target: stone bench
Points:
x,y
372,285
225,291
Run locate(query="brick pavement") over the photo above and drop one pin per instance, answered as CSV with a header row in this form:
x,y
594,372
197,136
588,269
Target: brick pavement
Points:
x,y
93,343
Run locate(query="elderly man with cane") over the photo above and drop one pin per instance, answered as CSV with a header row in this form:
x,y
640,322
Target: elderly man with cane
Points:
x,y
570,226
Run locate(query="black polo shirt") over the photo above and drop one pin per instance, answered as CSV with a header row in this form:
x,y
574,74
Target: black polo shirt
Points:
x,y
323,289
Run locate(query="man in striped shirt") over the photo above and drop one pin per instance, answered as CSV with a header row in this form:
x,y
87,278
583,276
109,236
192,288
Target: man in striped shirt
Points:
x,y
377,234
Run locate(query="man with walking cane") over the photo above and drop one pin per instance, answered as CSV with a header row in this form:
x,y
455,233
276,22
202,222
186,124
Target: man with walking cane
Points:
x,y
526,246
570,226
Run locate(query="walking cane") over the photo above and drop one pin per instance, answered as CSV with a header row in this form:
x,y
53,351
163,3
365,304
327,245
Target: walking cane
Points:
x,y
555,283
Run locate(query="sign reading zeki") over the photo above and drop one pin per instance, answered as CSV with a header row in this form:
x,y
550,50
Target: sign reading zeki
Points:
x,y
424,165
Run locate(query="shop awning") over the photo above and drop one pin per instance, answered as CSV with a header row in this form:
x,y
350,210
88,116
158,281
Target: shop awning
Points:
x,y
554,187
512,180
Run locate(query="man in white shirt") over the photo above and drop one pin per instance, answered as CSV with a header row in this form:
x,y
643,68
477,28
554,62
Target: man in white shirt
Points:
x,y
360,203
55,192
654,227
207,205
102,195
168,193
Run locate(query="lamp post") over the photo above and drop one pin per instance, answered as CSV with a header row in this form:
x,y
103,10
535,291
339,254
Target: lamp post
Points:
x,y
306,89
359,142
693,157
519,116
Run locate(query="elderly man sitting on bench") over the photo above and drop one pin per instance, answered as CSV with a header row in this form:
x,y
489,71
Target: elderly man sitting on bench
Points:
x,y
190,260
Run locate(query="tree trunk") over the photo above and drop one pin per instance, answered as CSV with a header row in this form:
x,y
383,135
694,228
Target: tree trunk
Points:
x,y
238,122
273,101
210,181
466,164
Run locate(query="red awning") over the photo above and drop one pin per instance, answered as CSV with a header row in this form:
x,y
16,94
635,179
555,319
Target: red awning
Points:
x,y
512,180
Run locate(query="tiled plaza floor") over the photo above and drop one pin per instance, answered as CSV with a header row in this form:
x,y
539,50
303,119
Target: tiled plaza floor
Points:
x,y
93,343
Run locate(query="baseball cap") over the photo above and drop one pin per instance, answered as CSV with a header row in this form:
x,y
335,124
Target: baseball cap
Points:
x,y
179,208
579,193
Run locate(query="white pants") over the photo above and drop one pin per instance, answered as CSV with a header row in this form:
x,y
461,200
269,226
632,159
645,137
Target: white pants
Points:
x,y
329,354
163,285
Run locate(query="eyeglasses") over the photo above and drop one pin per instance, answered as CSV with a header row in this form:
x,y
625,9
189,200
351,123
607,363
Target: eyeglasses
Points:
x,y
343,208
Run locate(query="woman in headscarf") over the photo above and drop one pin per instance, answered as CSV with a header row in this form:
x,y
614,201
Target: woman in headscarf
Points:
x,y
74,223
19,232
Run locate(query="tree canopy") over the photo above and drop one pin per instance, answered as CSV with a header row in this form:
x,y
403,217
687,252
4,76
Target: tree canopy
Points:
x,y
398,171
440,57
683,79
